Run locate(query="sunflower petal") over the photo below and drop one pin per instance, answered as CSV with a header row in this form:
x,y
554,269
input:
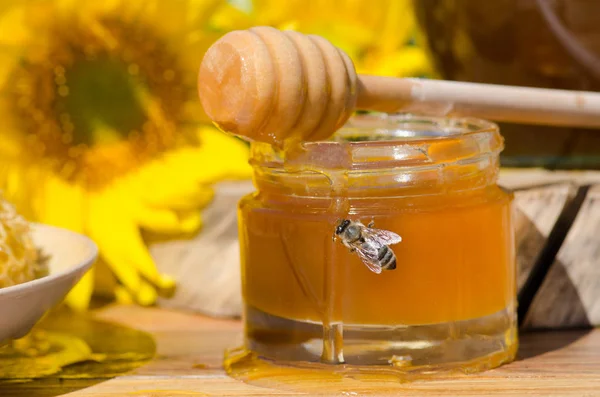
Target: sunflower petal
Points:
x,y
408,62
167,221
219,156
138,258
146,295
189,221
123,296
117,233
173,187
79,297
13,20
112,229
181,177
64,204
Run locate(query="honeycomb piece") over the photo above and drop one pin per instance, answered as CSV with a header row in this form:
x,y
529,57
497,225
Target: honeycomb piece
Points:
x,y
19,258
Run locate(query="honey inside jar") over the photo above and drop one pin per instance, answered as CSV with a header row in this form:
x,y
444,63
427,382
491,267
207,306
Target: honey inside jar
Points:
x,y
451,297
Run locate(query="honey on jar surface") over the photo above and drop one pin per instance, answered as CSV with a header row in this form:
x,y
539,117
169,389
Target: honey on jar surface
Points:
x,y
451,298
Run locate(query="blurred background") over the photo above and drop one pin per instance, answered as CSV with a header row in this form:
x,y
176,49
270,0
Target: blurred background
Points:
x,y
537,43
101,130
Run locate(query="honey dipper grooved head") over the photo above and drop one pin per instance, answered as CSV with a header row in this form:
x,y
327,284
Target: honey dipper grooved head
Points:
x,y
269,85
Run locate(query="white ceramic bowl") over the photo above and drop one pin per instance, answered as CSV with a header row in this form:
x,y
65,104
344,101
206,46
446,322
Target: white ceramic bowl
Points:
x,y
23,305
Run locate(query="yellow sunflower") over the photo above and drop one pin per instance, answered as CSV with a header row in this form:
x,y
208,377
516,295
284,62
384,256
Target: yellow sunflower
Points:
x,y
378,35
101,130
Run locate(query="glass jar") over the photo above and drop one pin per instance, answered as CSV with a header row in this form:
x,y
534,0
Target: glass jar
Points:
x,y
450,301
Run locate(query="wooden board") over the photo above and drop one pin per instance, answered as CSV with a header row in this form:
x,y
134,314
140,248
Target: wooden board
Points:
x,y
536,212
566,206
190,350
524,178
570,294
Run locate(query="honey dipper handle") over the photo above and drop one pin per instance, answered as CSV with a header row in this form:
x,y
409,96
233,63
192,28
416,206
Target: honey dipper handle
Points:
x,y
494,102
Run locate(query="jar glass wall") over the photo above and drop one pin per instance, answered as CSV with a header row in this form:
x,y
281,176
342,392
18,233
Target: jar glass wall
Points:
x,y
450,301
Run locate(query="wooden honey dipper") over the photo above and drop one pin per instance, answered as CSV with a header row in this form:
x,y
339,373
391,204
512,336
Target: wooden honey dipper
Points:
x,y
270,85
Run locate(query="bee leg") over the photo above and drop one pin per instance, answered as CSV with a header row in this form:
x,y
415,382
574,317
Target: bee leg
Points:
x,y
352,250
371,224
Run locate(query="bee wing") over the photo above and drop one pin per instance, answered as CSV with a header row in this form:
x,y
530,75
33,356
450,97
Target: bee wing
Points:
x,y
369,257
383,237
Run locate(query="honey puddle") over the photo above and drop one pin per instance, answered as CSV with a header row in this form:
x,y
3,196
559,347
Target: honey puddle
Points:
x,y
316,378
42,353
74,346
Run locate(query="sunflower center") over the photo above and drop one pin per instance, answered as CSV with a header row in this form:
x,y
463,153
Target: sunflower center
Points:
x,y
100,98
101,102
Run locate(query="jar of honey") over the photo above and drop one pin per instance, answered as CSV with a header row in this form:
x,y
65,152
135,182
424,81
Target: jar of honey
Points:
x,y
449,301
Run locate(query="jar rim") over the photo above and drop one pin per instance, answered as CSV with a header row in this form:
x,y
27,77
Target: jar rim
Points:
x,y
380,141
396,125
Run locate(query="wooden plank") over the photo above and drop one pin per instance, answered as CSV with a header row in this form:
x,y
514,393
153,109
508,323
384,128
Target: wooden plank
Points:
x,y
556,385
536,212
550,364
570,295
524,178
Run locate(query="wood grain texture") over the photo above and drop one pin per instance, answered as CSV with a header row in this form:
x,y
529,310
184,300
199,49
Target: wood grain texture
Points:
x,y
190,348
524,178
567,296
536,212
570,294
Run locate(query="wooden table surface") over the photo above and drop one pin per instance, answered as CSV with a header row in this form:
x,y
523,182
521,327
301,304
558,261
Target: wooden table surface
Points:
x,y
190,349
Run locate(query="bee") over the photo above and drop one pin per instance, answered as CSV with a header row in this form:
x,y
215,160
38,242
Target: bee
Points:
x,y
371,245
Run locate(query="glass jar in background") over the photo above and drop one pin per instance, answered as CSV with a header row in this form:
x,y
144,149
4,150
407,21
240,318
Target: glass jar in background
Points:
x,y
537,43
450,301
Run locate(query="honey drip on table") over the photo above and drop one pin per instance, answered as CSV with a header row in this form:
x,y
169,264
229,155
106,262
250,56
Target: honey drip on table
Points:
x,y
343,379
